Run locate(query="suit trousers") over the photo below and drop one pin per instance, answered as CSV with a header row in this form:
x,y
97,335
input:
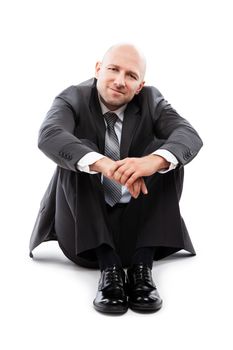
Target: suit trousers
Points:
x,y
152,220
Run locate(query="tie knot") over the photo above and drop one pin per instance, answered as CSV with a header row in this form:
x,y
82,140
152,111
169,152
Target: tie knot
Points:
x,y
110,118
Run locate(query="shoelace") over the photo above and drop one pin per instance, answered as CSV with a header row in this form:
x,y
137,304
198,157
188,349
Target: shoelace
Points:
x,y
113,275
142,275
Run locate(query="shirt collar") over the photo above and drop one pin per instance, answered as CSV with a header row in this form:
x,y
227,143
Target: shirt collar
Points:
x,y
119,112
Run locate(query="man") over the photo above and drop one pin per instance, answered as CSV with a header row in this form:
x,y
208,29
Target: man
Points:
x,y
113,201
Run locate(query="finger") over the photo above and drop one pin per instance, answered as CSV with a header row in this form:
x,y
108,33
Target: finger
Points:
x,y
120,162
126,175
110,172
131,190
122,174
143,186
137,186
116,176
132,178
134,189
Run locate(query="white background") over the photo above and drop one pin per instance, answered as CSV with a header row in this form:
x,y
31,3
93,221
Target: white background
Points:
x,y
47,46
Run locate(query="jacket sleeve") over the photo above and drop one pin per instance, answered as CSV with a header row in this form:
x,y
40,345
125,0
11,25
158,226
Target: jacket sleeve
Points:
x,y
56,135
181,138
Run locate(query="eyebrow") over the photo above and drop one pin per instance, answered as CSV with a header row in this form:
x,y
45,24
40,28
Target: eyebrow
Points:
x,y
131,72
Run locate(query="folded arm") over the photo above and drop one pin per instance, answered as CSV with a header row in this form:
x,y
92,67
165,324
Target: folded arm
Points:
x,y
56,136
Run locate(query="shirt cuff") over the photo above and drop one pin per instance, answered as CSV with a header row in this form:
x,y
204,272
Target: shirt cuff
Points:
x,y
169,158
88,159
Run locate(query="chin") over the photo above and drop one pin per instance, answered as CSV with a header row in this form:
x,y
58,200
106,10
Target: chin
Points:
x,y
117,104
113,102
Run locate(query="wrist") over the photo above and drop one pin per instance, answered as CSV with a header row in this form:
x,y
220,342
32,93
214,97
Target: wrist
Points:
x,y
97,165
160,162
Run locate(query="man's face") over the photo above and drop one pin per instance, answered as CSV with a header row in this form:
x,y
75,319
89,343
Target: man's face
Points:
x,y
119,77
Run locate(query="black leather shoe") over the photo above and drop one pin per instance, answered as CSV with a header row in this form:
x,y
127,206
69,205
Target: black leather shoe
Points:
x,y
143,295
111,296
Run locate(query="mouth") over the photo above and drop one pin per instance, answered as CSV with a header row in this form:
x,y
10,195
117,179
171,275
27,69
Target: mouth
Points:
x,y
117,91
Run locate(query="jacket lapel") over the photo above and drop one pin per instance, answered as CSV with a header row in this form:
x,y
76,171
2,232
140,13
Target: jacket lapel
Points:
x,y
98,119
131,122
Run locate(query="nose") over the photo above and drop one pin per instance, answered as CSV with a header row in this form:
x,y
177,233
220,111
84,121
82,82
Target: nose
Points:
x,y
119,81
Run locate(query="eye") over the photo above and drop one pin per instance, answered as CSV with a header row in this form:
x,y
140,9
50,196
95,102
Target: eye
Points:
x,y
112,68
133,76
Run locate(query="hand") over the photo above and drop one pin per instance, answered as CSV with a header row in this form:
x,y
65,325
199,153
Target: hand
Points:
x,y
130,169
105,165
137,187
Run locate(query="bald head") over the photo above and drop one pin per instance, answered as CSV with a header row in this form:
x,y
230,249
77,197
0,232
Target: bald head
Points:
x,y
128,50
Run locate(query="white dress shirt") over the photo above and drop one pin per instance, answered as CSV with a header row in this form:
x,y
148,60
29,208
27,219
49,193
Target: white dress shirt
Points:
x,y
92,157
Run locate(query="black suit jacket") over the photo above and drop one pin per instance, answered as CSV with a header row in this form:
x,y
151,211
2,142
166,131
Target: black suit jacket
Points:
x,y
74,126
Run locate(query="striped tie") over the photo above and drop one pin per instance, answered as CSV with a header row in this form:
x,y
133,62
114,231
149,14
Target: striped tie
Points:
x,y
112,189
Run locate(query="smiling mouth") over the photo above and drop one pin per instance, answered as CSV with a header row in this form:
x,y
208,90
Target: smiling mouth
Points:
x,y
119,92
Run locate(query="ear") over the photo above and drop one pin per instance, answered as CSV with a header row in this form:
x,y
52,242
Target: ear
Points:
x,y
140,87
97,69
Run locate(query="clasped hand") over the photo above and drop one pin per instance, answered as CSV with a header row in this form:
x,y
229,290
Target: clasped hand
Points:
x,y
130,171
